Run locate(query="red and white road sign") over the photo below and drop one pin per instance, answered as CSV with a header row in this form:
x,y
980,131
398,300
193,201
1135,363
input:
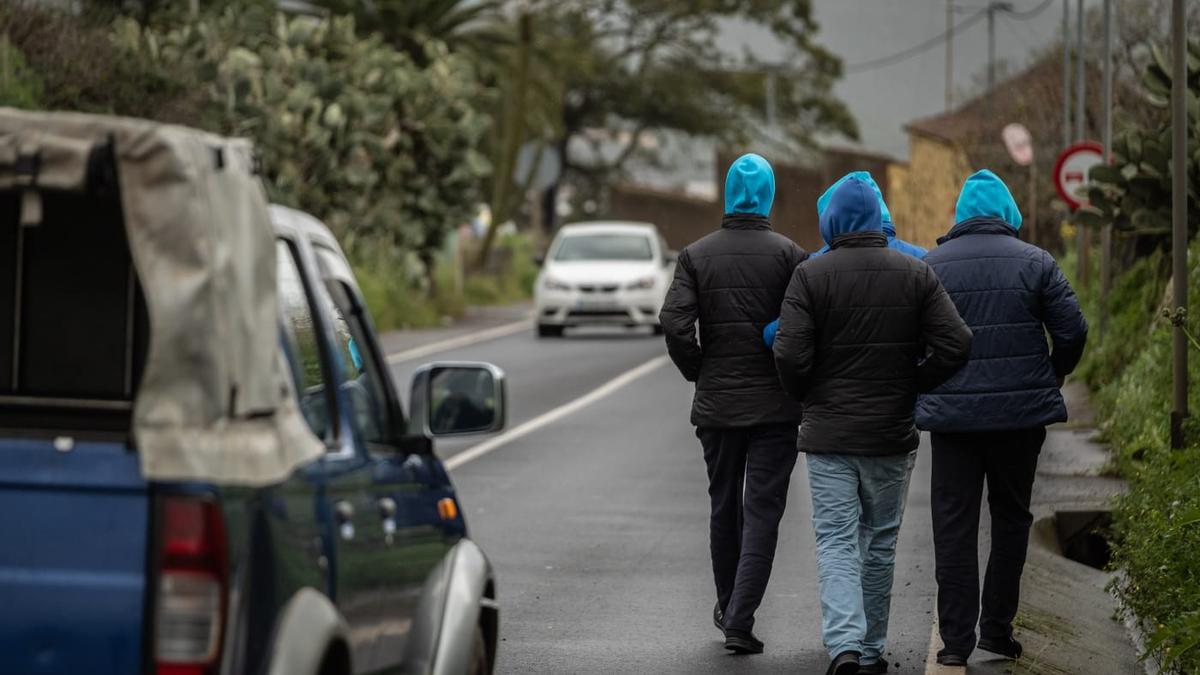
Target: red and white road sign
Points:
x,y
1071,171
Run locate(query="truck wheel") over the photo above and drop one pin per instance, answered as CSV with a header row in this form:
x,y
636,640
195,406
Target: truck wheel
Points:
x,y
548,331
479,655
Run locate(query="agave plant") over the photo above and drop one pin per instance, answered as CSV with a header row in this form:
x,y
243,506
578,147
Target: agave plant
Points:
x,y
1134,192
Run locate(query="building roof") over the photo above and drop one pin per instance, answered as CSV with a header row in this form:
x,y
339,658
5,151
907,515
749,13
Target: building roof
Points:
x,y
1032,97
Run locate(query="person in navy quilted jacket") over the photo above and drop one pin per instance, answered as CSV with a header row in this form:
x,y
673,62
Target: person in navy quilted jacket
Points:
x,y
988,421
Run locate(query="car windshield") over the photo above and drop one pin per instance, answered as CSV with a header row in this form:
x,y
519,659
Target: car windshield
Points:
x,y
584,247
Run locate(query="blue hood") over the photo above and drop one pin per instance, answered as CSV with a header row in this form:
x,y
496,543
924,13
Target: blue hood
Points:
x,y
985,195
853,207
889,228
749,186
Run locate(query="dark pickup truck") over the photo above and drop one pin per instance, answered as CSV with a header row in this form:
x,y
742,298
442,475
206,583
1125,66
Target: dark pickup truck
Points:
x,y
357,560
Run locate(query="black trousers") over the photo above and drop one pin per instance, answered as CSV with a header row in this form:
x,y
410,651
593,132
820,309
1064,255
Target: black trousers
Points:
x,y
1007,461
748,474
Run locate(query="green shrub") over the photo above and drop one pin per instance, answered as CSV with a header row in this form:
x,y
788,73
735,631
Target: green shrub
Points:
x,y
514,282
1156,542
1133,304
20,86
385,151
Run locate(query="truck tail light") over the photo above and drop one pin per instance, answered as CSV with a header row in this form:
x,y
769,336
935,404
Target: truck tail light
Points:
x,y
192,586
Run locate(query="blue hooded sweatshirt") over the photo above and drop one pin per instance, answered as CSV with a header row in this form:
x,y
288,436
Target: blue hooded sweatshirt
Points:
x,y
1011,294
852,207
885,216
984,194
889,227
749,186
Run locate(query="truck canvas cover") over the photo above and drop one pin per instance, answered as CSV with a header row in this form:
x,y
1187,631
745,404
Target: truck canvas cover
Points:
x,y
214,403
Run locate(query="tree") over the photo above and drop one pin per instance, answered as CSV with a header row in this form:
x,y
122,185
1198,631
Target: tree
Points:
x,y
634,66
475,26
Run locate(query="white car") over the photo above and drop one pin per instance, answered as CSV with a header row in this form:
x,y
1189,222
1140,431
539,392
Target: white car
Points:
x,y
598,273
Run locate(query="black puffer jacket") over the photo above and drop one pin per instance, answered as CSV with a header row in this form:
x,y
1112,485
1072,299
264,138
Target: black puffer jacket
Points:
x,y
863,329
731,281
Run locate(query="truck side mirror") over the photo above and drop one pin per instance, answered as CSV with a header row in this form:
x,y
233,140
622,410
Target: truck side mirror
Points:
x,y
457,399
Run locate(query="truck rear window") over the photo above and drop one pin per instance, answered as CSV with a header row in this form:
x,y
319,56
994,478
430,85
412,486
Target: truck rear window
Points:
x,y
73,325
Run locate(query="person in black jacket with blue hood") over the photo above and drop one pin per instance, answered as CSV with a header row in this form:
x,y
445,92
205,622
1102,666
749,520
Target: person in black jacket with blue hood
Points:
x,y
862,330
988,422
730,283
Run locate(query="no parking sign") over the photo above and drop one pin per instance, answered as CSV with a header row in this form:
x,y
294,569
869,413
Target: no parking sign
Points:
x,y
1071,171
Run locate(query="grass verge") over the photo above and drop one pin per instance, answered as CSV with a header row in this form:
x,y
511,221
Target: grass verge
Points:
x,y
1157,522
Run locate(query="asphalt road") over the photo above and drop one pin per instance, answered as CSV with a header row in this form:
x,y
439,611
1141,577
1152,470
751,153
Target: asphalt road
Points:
x,y
597,525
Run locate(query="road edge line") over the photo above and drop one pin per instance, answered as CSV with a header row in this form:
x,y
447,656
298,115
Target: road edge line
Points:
x,y
555,414
467,340
932,667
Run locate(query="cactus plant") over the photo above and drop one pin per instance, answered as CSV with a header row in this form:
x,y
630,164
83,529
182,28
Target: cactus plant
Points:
x,y
1134,191
384,150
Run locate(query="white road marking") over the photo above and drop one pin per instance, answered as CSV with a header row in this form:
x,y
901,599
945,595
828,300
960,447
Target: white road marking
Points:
x,y
460,341
552,416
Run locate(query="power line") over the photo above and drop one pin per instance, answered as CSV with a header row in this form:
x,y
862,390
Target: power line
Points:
x,y
898,57
1031,13
885,61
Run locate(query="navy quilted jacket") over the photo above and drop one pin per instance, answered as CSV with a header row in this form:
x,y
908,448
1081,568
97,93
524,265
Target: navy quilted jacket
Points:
x,y
1011,294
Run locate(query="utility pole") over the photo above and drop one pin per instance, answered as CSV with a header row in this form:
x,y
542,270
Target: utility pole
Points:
x,y
1081,132
1066,74
1106,137
949,55
1179,229
772,119
992,8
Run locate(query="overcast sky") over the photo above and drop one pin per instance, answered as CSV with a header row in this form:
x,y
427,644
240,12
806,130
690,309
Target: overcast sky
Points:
x,y
885,99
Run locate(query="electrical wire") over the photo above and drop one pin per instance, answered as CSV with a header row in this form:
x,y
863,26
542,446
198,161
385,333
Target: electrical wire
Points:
x,y
1029,13
883,62
901,56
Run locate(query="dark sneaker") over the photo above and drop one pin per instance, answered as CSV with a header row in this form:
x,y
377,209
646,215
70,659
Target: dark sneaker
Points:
x,y
877,668
845,663
742,642
719,617
1006,647
945,658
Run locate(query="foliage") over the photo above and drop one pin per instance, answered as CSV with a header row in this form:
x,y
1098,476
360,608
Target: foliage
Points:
x,y
71,63
588,80
1157,522
20,86
1134,192
1133,302
475,26
399,300
348,128
656,65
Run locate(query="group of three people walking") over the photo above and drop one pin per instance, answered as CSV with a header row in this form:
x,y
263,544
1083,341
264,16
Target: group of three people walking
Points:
x,y
843,355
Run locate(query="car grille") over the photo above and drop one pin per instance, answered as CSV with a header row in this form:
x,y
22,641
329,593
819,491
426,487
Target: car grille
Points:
x,y
597,288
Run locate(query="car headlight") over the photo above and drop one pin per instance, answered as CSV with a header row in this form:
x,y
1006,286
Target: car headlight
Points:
x,y
552,284
640,284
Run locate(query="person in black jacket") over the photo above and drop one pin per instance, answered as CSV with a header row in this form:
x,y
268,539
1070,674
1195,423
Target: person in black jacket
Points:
x,y
863,328
988,422
731,283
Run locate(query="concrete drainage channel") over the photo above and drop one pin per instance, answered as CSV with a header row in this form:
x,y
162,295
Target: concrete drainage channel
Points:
x,y
1083,536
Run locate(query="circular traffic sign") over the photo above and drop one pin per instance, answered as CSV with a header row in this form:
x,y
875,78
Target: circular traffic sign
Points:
x,y
1071,171
1019,143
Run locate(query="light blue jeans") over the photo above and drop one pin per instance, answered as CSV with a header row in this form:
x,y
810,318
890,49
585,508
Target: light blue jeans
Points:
x,y
858,503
